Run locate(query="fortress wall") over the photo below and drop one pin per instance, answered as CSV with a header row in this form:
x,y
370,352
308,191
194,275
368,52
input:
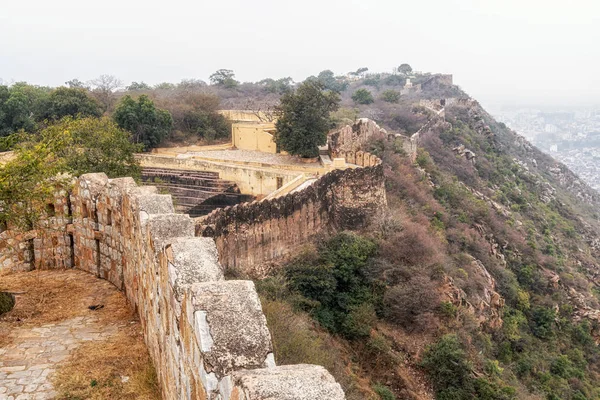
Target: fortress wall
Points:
x,y
251,235
208,337
351,138
47,247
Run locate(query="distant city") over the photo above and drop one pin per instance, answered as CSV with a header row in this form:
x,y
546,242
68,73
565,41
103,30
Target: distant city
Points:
x,y
571,136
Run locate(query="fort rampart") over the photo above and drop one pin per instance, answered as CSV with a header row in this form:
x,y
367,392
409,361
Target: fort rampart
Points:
x,y
250,235
207,337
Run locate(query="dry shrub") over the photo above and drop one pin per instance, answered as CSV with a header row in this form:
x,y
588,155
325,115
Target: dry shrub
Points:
x,y
405,302
414,245
297,341
444,157
403,181
118,368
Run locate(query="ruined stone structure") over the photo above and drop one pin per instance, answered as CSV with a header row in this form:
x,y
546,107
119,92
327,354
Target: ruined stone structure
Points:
x,y
250,235
207,336
353,137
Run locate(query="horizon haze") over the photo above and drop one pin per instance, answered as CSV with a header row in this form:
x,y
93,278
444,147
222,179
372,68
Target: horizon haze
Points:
x,y
501,52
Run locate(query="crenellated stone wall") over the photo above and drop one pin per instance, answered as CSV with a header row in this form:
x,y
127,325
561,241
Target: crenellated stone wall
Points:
x,y
201,330
249,236
49,246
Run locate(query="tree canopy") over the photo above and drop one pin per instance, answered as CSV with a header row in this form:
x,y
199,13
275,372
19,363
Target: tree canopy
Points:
x,y
65,101
329,81
405,69
224,77
149,125
43,163
362,96
305,118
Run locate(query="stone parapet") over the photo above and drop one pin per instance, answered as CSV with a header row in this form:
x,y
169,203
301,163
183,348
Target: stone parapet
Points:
x,y
250,236
199,328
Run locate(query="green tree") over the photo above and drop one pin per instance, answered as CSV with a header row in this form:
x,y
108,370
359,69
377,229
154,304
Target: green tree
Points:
x,y
329,81
305,119
71,102
362,96
390,96
336,285
76,83
148,124
21,106
279,86
138,86
224,77
405,69
43,163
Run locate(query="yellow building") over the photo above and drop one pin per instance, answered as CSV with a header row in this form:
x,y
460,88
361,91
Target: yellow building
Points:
x,y
254,136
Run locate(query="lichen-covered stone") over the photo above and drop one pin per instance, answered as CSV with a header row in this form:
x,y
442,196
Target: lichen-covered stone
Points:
x,y
231,315
290,382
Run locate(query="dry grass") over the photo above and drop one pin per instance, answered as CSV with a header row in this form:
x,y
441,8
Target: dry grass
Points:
x,y
96,370
118,368
44,297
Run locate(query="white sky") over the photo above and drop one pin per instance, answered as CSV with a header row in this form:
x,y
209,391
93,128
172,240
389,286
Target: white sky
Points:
x,y
500,51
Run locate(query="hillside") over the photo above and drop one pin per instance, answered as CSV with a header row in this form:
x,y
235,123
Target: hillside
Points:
x,y
480,282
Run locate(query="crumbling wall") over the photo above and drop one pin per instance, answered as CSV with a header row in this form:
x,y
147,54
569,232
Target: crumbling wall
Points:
x,y
351,138
201,330
46,247
248,236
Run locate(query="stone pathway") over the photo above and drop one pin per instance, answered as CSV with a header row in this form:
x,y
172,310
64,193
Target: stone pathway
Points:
x,y
37,346
28,362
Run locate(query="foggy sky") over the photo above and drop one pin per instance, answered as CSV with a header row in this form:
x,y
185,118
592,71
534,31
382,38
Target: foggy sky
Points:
x,y
500,51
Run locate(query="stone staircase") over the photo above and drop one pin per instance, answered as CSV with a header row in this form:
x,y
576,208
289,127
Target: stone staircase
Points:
x,y
195,193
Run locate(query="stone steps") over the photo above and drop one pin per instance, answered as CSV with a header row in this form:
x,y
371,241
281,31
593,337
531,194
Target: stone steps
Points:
x,y
196,193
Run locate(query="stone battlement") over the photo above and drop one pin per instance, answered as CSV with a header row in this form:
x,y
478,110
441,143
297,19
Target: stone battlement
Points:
x,y
250,235
208,337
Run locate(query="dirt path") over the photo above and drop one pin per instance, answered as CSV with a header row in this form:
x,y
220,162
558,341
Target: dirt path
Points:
x,y
50,321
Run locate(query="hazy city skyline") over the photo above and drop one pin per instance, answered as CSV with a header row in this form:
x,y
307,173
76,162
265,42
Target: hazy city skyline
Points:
x,y
500,52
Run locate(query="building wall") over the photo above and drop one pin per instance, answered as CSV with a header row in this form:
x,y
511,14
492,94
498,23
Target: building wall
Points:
x,y
244,115
253,136
251,235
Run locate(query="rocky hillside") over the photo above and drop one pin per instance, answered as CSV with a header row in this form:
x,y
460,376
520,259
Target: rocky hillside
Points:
x,y
479,283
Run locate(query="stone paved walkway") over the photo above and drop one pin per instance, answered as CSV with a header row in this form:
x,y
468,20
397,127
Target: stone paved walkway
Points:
x,y
28,362
35,349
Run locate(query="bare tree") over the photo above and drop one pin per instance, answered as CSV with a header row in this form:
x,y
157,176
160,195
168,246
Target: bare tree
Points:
x,y
104,87
265,110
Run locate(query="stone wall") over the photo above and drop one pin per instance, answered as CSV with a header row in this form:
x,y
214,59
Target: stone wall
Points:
x,y
249,236
351,138
48,246
208,337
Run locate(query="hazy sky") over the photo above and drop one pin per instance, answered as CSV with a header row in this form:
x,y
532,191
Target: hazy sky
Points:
x,y
513,51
